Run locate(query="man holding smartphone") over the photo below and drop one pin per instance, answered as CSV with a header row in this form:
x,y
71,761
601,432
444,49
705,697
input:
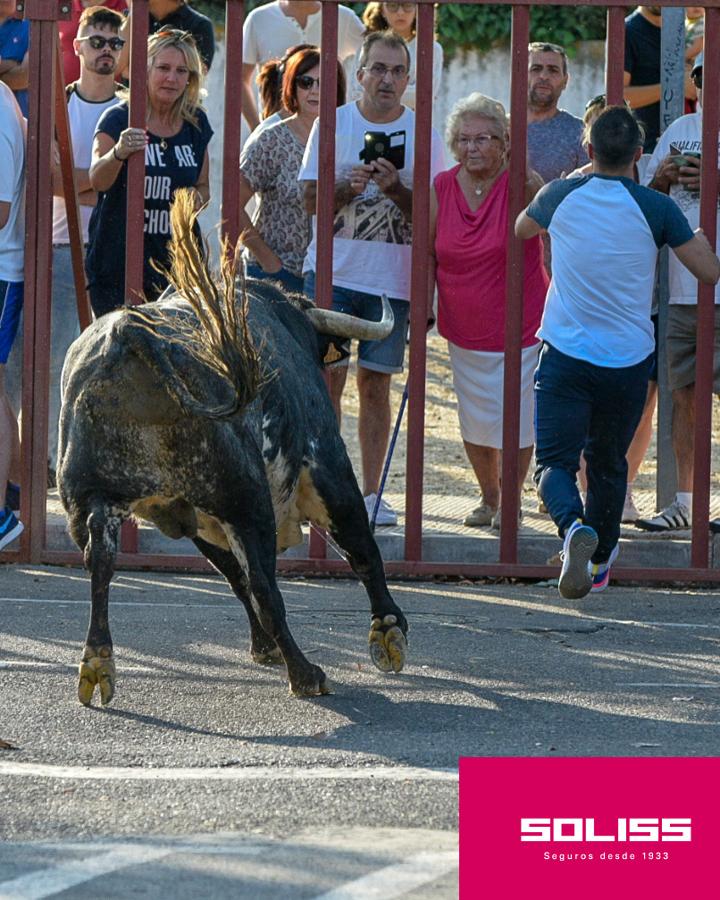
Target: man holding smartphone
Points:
x,y
372,236
674,169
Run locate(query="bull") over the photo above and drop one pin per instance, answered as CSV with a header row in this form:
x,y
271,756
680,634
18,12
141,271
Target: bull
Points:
x,y
206,414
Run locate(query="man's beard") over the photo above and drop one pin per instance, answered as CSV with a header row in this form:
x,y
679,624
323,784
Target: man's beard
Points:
x,y
544,100
105,67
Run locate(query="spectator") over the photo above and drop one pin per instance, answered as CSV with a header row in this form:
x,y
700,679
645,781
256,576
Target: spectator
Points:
x,y
554,137
642,70
12,239
591,383
372,237
694,32
14,43
469,232
176,15
87,99
175,146
276,241
68,29
400,18
273,27
679,176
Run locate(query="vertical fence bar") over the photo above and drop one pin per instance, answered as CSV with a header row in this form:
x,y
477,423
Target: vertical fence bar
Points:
x,y
135,225
325,209
614,54
514,290
38,277
72,209
230,228
706,293
419,283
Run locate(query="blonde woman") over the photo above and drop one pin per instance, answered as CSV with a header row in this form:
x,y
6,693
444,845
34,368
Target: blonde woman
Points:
x,y
400,18
174,142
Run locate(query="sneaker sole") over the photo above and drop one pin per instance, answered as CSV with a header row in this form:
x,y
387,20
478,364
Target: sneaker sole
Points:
x,y
11,535
644,525
576,581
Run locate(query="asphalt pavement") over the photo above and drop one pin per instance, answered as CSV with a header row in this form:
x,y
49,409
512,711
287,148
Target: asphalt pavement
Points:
x,y
205,778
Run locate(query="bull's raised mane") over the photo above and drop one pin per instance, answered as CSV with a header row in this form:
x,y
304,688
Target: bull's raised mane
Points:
x,y
218,335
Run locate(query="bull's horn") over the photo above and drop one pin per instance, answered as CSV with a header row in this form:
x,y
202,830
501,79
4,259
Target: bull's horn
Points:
x,y
328,321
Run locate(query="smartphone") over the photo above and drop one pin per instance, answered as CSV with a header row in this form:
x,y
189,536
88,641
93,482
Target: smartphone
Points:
x,y
379,145
680,157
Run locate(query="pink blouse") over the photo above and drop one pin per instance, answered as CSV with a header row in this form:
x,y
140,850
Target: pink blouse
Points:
x,y
470,249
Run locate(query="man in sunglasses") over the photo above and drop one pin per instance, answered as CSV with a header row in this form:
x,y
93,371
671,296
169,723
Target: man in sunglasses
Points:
x,y
97,47
674,169
68,31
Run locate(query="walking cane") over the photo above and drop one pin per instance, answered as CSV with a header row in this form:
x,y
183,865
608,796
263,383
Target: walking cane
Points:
x,y
388,458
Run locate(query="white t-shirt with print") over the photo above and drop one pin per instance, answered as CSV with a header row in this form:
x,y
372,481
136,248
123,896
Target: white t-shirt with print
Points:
x,y
12,186
371,245
268,33
685,133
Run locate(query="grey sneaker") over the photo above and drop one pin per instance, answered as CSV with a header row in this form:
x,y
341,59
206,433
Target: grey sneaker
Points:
x,y
630,512
481,515
578,547
497,519
675,517
386,515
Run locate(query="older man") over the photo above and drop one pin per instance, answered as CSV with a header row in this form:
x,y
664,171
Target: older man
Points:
x,y
371,249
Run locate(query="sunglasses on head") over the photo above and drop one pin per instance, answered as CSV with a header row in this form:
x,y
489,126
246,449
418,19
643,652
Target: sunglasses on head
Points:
x,y
599,100
97,42
306,82
697,78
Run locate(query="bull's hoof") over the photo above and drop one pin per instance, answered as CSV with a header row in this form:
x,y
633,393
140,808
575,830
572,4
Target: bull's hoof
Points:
x,y
97,671
266,657
387,644
311,682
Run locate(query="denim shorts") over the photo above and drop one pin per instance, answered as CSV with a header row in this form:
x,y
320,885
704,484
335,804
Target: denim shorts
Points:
x,y
11,301
285,277
386,355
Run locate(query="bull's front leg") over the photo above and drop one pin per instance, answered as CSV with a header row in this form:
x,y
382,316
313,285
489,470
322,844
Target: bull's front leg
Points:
x,y
97,668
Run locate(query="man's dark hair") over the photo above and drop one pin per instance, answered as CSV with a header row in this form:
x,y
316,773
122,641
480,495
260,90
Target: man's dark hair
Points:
x,y
387,38
544,47
100,17
615,136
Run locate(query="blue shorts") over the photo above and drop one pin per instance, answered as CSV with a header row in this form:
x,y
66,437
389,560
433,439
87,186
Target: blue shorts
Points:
x,y
386,355
11,301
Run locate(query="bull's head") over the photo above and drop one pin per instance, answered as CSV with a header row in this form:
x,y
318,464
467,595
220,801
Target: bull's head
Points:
x,y
336,330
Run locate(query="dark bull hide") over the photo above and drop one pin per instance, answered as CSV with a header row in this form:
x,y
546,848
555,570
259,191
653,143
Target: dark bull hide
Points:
x,y
210,418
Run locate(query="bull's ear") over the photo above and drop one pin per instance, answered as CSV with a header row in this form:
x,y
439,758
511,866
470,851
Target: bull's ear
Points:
x,y
332,349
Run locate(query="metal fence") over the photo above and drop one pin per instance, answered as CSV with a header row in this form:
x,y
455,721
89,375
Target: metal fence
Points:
x,y
48,114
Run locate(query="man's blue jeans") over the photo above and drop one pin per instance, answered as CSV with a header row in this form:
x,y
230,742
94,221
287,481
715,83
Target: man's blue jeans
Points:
x,y
584,408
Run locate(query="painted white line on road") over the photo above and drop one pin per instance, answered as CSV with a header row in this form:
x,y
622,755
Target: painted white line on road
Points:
x,y
397,879
672,684
247,773
84,603
53,880
72,667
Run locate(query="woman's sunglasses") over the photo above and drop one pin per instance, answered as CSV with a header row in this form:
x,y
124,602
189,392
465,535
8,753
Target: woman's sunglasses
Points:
x,y
97,42
306,82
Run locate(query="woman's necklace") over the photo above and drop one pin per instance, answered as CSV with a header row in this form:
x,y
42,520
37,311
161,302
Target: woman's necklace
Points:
x,y
479,190
163,144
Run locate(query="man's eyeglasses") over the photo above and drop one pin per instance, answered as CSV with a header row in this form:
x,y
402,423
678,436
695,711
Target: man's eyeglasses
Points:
x,y
306,82
396,7
97,42
379,70
477,140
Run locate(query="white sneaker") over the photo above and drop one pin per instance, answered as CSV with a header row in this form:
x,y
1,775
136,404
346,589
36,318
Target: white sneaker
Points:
x,y
675,517
575,576
630,511
386,515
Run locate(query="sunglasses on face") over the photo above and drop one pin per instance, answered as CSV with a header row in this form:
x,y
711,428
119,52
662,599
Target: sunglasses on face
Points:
x,y
306,82
97,42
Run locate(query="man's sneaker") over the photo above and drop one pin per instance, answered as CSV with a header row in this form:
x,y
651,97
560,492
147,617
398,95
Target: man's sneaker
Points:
x,y
10,527
600,572
579,545
497,520
675,517
386,515
12,496
630,511
481,515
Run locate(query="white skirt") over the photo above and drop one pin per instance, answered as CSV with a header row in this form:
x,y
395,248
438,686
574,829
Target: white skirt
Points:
x,y
478,383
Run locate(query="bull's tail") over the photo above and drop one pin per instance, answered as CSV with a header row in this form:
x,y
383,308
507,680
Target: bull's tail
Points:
x,y
219,337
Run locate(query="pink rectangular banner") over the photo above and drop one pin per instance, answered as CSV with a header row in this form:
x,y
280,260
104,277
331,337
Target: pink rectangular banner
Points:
x,y
586,828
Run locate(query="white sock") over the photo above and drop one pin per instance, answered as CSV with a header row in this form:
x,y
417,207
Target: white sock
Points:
x,y
684,497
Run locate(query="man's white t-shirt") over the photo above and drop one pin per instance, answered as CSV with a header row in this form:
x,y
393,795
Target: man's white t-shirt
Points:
x,y
268,33
371,245
83,116
12,185
685,133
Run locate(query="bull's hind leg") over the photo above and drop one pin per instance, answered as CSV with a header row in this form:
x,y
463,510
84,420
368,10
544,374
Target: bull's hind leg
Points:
x,y
347,521
263,648
97,668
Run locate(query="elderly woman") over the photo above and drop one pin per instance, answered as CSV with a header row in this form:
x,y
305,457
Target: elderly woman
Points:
x,y
174,142
277,238
469,233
